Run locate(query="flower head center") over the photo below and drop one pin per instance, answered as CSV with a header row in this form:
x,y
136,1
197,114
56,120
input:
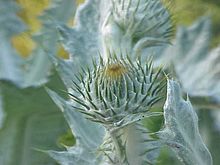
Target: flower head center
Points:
x,y
115,71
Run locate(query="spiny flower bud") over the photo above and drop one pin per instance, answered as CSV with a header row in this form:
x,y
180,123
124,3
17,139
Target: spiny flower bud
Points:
x,y
118,92
133,25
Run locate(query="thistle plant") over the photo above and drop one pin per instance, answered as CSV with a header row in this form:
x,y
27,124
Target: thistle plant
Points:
x,y
118,94
119,86
116,79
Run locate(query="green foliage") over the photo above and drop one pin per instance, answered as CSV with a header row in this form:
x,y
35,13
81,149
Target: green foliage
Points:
x,y
31,122
66,139
209,128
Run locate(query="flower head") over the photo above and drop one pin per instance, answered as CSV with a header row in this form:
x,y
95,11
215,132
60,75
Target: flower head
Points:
x,y
118,92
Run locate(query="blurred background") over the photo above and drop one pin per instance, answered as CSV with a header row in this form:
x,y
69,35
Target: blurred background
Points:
x,y
25,124
185,11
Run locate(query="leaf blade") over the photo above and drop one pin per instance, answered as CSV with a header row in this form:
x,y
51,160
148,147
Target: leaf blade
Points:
x,y
181,131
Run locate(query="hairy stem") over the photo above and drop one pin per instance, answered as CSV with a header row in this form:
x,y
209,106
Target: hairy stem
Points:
x,y
118,147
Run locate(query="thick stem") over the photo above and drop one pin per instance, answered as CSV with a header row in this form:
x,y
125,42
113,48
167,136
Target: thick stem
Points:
x,y
129,143
118,147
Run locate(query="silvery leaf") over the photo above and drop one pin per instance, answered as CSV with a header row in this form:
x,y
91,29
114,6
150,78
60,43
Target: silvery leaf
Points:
x,y
83,40
197,69
181,131
88,135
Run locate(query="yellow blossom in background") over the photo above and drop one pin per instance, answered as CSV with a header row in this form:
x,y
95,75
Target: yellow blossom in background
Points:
x,y
30,11
80,1
23,44
62,53
186,12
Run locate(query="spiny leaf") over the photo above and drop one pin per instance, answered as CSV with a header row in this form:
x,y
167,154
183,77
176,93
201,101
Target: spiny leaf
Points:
x,y
181,131
82,41
39,64
88,136
192,56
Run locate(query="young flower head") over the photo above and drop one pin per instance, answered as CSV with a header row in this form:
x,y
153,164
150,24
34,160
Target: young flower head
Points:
x,y
131,26
118,92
